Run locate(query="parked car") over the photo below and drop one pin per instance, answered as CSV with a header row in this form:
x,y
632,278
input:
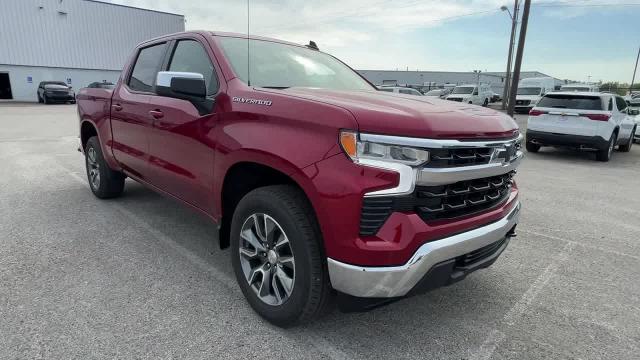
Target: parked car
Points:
x,y
439,93
471,94
495,97
580,87
400,90
530,91
321,185
585,120
55,91
101,85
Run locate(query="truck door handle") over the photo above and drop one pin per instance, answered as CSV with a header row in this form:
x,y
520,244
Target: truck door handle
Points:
x,y
156,114
116,107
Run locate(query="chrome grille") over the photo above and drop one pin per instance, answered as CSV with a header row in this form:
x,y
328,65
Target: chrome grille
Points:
x,y
462,198
459,157
433,203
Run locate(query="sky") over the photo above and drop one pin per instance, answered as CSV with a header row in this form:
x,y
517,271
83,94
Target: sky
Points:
x,y
569,39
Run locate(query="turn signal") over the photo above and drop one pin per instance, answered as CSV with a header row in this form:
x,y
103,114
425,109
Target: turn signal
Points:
x,y
348,141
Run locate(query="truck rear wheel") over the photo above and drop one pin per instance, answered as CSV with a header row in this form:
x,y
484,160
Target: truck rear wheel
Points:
x,y
277,256
104,182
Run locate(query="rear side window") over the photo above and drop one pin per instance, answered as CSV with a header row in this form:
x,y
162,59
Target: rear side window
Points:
x,y
621,103
571,102
143,76
387,90
190,56
408,92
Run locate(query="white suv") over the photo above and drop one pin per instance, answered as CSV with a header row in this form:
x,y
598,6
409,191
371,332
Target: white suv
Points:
x,y
584,120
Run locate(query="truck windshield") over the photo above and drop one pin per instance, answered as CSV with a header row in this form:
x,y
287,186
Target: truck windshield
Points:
x,y
576,102
529,91
278,65
463,90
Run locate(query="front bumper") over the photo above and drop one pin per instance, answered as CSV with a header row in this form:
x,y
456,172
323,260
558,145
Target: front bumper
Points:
x,y
60,97
432,264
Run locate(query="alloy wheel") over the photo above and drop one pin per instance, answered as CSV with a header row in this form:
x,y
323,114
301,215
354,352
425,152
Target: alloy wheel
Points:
x,y
266,258
93,168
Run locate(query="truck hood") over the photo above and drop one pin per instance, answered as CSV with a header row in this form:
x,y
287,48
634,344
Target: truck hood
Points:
x,y
413,116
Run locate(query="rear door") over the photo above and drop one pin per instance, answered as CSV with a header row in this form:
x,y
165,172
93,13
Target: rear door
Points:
x,y
130,119
571,114
181,144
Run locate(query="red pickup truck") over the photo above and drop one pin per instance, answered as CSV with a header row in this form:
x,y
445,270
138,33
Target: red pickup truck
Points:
x,y
322,186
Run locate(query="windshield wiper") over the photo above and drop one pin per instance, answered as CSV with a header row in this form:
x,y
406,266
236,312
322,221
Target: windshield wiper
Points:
x,y
276,87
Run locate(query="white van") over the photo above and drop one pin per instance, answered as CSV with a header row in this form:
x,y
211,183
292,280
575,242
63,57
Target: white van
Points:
x,y
472,94
580,87
530,91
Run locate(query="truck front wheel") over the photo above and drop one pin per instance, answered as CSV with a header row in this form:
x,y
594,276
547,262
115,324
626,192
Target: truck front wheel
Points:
x,y
277,257
104,182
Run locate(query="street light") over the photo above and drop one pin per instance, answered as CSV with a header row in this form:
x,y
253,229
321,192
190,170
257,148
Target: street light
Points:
x,y
505,8
514,24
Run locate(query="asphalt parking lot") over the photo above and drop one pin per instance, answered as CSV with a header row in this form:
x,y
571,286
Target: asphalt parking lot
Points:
x,y
142,276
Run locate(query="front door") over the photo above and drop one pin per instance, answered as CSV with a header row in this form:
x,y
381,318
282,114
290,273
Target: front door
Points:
x,y
181,142
130,118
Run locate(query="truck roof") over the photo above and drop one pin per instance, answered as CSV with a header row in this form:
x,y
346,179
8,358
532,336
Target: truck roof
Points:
x,y
224,34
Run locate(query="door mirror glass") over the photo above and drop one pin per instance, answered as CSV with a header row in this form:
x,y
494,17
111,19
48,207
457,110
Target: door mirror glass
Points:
x,y
181,85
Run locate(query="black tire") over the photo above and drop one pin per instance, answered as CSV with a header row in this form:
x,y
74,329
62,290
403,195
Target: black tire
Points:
x,y
485,103
45,100
627,147
531,147
604,154
40,99
110,183
311,289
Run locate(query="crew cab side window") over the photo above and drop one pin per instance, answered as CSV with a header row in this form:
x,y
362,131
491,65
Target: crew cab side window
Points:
x,y
190,56
143,76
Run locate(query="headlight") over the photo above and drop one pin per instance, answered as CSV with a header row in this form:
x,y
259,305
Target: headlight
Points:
x,y
359,150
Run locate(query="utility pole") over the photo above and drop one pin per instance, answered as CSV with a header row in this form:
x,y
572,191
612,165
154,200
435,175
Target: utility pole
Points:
x,y
514,25
518,65
633,79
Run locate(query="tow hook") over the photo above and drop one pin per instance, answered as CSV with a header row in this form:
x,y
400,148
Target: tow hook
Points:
x,y
512,233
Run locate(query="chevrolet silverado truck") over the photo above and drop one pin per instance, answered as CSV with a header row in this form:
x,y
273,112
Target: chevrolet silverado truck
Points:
x,y
323,187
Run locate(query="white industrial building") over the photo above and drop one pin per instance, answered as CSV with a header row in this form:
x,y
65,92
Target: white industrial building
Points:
x,y
75,41
436,78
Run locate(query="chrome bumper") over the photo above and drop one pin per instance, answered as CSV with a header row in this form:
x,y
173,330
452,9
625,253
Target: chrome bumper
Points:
x,y
395,281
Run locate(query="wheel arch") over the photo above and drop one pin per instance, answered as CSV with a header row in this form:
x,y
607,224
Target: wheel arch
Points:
x,y
248,174
87,130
